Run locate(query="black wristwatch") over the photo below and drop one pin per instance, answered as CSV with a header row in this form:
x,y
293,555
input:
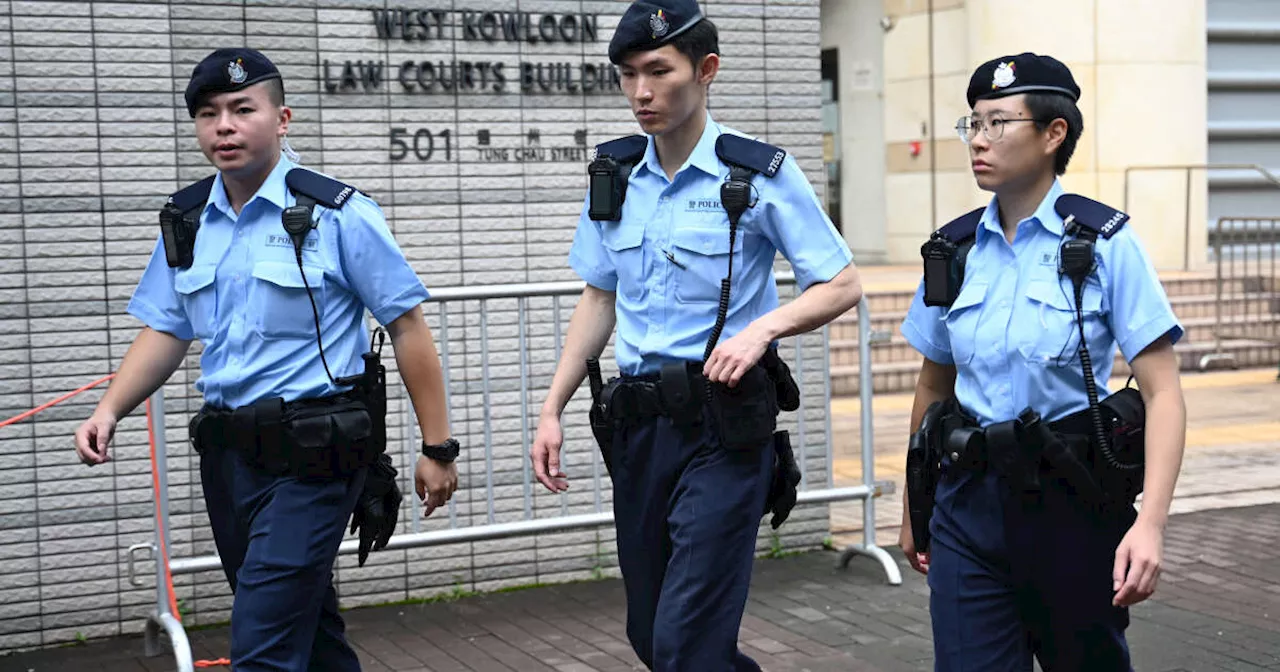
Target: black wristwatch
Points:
x,y
445,452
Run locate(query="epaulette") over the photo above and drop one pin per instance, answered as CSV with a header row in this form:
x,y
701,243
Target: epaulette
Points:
x,y
193,196
963,227
627,149
324,189
754,155
1101,218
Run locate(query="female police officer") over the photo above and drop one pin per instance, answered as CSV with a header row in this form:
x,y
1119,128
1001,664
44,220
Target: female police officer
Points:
x,y
1022,560
689,488
278,486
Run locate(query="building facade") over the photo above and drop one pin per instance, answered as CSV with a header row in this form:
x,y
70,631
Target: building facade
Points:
x,y
470,123
904,66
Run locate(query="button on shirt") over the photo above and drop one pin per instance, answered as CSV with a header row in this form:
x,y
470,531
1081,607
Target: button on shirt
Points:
x,y
666,256
1011,332
246,300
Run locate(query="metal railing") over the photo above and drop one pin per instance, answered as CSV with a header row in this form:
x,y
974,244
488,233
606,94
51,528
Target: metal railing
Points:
x,y
1247,256
1265,176
488,528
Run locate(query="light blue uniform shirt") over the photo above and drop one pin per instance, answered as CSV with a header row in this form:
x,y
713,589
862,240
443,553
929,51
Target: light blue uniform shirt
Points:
x,y
244,298
1011,333
666,256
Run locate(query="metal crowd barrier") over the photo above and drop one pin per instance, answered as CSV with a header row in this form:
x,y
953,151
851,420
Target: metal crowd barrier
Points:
x,y
164,619
1246,253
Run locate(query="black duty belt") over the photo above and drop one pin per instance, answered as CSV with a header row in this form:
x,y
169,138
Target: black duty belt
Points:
x,y
677,392
321,437
1024,448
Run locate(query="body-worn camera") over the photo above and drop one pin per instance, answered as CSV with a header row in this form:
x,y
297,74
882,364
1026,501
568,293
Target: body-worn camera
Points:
x,y
179,236
942,271
608,189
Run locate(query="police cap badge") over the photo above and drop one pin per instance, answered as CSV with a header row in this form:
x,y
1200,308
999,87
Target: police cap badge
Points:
x,y
649,24
227,70
1024,73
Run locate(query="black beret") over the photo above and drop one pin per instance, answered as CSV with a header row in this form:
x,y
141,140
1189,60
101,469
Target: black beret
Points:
x,y
228,70
649,24
1023,73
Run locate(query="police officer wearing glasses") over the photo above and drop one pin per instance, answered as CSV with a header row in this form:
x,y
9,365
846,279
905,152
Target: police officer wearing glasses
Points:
x,y
688,430
272,266
1023,467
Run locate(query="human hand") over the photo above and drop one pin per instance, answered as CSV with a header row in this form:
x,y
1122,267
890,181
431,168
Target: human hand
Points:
x,y
545,454
435,482
93,437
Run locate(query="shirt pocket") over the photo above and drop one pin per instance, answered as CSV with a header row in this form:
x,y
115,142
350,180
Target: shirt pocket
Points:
x,y
278,301
702,258
199,297
622,243
962,321
1051,335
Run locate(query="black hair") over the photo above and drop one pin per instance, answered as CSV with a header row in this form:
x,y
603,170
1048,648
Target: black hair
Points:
x,y
698,41
275,91
1046,107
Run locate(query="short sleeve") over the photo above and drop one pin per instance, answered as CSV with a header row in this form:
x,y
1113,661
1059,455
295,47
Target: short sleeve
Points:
x,y
797,225
587,256
1139,309
926,330
373,264
155,302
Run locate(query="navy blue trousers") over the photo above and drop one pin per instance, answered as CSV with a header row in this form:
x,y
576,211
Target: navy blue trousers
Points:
x,y
1014,576
278,538
687,512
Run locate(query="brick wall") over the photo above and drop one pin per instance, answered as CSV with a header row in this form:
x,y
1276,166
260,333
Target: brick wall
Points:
x,y
93,135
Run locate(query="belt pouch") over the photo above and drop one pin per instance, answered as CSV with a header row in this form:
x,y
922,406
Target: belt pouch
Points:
x,y
331,439
677,396
1067,464
1009,457
260,426
745,415
784,383
196,430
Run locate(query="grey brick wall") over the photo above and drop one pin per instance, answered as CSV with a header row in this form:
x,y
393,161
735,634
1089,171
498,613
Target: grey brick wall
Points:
x,y
93,135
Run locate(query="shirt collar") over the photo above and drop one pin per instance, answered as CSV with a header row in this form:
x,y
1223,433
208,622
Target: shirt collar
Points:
x,y
273,190
703,157
1045,215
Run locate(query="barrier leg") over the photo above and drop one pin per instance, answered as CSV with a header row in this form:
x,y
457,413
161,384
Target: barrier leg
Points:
x,y
868,547
164,616
177,640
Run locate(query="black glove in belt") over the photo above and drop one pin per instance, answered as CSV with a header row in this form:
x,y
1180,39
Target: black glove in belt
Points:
x,y
378,507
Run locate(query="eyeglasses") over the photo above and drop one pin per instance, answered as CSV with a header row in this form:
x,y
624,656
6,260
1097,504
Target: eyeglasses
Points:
x,y
967,127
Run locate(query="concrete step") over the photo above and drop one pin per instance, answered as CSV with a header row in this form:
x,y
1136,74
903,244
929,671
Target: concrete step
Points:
x,y
1207,305
895,365
887,312
1249,307
900,376
1175,285
844,350
1187,307
885,377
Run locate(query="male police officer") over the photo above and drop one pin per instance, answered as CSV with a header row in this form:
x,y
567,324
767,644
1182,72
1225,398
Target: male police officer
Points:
x,y
688,434
262,262
1034,545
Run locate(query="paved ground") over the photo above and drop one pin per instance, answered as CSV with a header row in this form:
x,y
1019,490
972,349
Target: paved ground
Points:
x,y
1218,607
1232,456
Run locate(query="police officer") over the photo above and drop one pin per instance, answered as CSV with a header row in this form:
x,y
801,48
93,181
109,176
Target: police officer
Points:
x,y
264,262
1034,545
691,448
